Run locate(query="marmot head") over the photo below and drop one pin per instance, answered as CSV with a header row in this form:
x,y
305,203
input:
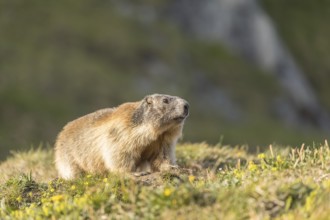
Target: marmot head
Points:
x,y
162,111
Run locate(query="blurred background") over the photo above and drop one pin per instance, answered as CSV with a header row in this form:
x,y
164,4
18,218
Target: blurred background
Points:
x,y
254,72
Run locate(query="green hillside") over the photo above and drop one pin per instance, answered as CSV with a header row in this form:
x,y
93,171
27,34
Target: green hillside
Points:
x,y
62,59
303,27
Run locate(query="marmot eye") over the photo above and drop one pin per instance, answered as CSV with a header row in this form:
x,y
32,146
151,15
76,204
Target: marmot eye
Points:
x,y
166,101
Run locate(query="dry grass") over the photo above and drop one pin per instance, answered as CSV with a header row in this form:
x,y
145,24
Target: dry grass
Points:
x,y
39,162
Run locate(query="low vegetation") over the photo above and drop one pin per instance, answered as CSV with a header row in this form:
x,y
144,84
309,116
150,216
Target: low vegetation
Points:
x,y
214,182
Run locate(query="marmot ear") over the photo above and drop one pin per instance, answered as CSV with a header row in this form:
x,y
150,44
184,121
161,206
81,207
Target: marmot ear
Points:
x,y
148,99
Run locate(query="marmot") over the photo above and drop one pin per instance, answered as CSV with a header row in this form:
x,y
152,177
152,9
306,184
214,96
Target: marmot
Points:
x,y
133,137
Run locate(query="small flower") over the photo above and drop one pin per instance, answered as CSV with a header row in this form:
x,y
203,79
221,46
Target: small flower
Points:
x,y
252,166
52,190
105,180
57,198
89,176
45,210
191,178
19,199
29,210
167,192
86,183
279,159
261,156
238,173
73,187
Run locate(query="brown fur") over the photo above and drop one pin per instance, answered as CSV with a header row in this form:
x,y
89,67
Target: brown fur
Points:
x,y
135,136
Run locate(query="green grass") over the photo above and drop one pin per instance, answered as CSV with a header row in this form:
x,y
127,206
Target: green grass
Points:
x,y
214,182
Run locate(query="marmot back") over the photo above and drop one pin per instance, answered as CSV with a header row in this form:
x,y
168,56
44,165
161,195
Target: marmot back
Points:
x,y
135,136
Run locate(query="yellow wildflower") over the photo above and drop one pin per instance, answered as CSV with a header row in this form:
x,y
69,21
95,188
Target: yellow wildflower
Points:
x,y
279,158
191,178
252,166
18,214
167,192
261,156
45,210
238,173
57,198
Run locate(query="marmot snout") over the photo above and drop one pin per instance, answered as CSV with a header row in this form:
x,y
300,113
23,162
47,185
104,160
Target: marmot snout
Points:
x,y
135,136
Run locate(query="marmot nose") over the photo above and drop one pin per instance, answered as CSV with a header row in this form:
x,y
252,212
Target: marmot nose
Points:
x,y
186,108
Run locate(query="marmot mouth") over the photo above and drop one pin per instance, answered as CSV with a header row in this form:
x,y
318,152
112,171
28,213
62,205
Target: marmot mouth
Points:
x,y
180,118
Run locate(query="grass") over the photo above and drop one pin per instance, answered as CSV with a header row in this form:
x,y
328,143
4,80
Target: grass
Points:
x,y
214,182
